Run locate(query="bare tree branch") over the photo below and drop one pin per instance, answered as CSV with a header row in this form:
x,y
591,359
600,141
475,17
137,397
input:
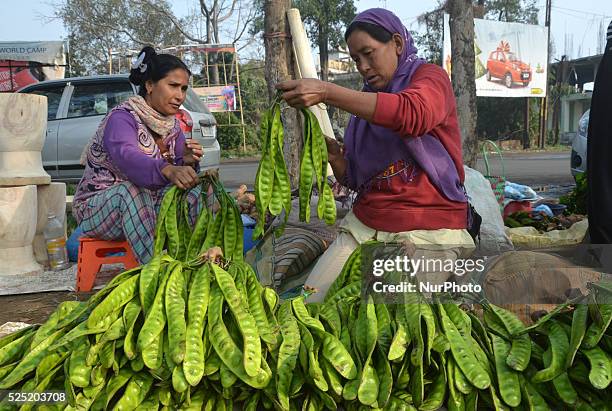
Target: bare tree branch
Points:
x,y
170,17
229,13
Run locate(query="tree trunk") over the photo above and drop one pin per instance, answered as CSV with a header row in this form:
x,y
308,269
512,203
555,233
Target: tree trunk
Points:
x,y
280,67
324,54
462,55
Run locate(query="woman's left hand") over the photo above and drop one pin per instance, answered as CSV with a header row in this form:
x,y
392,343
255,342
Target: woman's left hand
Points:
x,y
303,93
193,152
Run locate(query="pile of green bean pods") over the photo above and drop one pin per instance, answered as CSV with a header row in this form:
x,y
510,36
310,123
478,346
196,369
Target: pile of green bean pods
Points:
x,y
272,185
220,227
192,334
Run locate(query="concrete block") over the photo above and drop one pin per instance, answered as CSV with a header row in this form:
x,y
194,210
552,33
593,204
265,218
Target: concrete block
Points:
x,y
18,209
23,127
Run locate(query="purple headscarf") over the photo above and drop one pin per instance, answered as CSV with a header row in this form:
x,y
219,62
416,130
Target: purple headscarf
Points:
x,y
370,149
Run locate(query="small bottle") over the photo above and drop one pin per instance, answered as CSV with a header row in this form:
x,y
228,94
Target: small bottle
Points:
x,y
56,244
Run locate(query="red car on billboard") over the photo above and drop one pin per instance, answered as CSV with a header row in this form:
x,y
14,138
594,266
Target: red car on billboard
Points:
x,y
504,64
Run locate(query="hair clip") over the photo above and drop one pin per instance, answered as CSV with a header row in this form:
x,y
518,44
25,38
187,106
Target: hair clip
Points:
x,y
138,64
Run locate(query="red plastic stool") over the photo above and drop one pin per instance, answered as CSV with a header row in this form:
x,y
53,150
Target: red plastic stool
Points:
x,y
93,253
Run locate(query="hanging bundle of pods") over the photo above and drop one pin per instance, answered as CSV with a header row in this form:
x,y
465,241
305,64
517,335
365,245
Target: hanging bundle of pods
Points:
x,y
272,185
313,170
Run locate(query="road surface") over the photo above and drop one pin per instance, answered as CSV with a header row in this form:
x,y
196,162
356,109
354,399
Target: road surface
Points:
x,y
533,169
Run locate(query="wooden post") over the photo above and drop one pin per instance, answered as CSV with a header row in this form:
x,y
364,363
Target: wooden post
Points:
x,y
305,68
280,67
305,65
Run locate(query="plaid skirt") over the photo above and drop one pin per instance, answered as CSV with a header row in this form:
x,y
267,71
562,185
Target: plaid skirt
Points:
x,y
128,212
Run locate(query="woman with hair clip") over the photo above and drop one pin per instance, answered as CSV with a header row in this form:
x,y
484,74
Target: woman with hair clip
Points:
x,y
137,151
401,153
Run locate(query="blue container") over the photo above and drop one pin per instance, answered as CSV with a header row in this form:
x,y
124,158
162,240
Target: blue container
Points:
x,y
556,209
248,224
72,245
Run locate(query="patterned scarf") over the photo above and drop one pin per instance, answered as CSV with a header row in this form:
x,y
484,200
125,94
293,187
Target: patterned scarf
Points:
x,y
157,122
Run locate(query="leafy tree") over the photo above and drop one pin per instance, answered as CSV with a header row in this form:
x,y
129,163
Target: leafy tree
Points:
x,y
325,22
95,27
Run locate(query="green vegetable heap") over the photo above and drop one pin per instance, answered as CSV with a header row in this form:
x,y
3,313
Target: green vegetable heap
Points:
x,y
272,185
182,332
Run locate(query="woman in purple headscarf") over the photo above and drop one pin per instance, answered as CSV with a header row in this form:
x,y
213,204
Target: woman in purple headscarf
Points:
x,y
402,151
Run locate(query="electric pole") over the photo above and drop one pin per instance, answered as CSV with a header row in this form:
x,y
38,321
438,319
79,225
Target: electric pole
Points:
x,y
544,111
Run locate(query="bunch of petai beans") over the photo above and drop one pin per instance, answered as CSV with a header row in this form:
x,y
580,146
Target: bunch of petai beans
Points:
x,y
182,332
272,185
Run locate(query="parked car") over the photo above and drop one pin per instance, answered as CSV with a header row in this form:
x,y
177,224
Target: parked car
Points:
x,y
579,145
505,65
76,106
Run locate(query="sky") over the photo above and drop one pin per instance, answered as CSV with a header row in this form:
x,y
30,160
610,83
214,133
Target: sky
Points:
x,y
575,26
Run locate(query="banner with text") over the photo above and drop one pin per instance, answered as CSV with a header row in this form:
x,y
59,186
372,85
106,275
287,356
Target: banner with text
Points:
x,y
222,98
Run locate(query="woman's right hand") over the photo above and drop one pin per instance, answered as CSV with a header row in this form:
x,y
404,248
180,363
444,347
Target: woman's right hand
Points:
x,y
334,149
184,177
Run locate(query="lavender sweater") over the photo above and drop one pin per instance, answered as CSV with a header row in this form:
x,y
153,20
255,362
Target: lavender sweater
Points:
x,y
123,149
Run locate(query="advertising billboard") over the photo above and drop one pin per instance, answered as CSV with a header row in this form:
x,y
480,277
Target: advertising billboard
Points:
x,y
24,63
511,58
218,99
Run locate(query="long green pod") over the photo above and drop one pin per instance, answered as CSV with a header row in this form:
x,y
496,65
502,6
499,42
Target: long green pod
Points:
x,y
9,338
600,374
254,292
46,329
246,322
464,358
535,401
565,389
119,297
437,392
579,325
264,179
199,231
149,277
456,400
14,349
341,280
597,329
160,228
306,175
287,353
172,229
225,347
131,313
174,302
197,306
559,346
29,362
507,378
79,371
385,377
155,320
